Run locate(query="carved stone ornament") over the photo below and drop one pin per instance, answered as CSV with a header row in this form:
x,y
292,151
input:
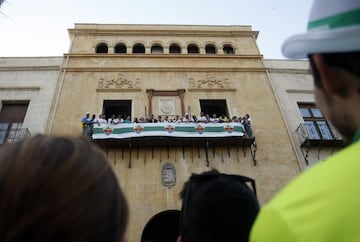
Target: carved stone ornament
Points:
x,y
208,82
119,83
166,106
168,175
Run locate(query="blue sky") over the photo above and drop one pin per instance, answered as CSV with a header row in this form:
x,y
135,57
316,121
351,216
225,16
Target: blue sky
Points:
x,y
39,27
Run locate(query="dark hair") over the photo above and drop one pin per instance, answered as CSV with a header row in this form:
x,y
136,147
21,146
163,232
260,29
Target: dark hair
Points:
x,y
217,207
348,61
59,189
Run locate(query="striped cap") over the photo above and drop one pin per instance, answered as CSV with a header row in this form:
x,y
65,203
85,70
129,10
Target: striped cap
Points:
x,y
334,26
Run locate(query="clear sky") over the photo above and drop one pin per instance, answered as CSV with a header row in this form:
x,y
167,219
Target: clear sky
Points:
x,y
39,27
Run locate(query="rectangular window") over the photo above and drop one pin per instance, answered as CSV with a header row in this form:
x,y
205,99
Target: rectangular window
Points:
x,y
211,106
311,129
3,131
316,125
305,112
324,130
316,113
12,115
117,107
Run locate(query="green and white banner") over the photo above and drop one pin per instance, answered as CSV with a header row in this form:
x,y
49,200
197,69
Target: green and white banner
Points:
x,y
186,130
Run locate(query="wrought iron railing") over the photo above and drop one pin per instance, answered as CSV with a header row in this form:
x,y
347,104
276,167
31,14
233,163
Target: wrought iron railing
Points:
x,y
15,135
305,133
311,136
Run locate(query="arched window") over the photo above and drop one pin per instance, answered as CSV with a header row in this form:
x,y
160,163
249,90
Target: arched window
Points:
x,y
120,48
210,49
138,49
193,49
102,48
229,50
174,49
157,49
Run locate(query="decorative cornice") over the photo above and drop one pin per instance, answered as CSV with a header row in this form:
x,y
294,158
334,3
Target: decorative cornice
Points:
x,y
163,69
20,88
30,68
300,91
118,90
212,90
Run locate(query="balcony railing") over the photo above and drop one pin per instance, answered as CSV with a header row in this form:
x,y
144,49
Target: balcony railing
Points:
x,y
311,136
200,136
15,135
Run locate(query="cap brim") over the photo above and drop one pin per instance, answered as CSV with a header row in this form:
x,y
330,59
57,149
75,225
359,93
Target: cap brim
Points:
x,y
323,41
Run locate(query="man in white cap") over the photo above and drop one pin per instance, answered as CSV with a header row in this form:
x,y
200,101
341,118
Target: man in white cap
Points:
x,y
323,204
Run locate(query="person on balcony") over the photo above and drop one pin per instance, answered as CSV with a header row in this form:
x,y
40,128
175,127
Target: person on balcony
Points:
x,y
86,124
101,119
201,118
113,120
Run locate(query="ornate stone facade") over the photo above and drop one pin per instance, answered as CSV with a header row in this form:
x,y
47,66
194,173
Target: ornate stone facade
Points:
x,y
171,70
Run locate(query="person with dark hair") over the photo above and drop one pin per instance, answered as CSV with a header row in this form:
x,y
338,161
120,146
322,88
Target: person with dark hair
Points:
x,y
217,207
322,203
59,189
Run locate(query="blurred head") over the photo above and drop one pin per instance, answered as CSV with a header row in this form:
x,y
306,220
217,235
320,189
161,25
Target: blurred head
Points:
x,y
59,189
217,207
337,89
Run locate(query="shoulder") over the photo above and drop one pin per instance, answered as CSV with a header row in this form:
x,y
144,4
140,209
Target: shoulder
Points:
x,y
316,204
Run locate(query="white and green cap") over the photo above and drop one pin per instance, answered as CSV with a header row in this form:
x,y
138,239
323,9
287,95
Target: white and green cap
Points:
x,y
334,26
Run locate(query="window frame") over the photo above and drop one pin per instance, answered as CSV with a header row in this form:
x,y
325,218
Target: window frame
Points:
x,y
316,125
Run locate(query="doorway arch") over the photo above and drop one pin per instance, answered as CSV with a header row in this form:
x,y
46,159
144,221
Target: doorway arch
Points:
x,y
162,227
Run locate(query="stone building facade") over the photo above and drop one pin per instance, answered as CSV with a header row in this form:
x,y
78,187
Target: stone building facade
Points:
x,y
313,138
172,70
169,70
27,87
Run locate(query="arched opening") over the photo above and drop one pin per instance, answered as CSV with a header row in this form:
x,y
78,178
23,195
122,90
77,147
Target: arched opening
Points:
x,y
120,48
210,49
138,49
193,49
174,49
163,227
102,48
157,49
229,50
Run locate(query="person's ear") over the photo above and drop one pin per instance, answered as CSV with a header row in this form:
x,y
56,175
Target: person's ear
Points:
x,y
179,239
331,77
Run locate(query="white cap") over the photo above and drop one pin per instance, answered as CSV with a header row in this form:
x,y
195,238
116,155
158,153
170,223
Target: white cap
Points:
x,y
334,26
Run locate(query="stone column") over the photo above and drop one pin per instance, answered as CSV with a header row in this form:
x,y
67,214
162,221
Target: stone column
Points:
x,y
181,95
150,95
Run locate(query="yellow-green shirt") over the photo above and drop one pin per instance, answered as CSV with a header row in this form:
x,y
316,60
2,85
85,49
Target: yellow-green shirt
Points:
x,y
321,205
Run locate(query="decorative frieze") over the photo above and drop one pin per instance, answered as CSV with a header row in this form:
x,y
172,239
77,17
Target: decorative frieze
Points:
x,y
120,82
209,81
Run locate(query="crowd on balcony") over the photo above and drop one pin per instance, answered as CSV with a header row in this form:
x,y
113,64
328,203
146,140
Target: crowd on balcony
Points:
x,y
88,122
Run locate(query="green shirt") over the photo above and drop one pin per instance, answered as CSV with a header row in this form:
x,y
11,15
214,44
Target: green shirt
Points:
x,y
320,205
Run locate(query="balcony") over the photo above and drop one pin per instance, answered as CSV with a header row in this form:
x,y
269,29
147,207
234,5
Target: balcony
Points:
x,y
310,136
201,136
13,135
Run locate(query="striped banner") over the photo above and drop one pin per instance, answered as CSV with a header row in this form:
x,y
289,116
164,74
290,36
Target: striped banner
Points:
x,y
186,130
